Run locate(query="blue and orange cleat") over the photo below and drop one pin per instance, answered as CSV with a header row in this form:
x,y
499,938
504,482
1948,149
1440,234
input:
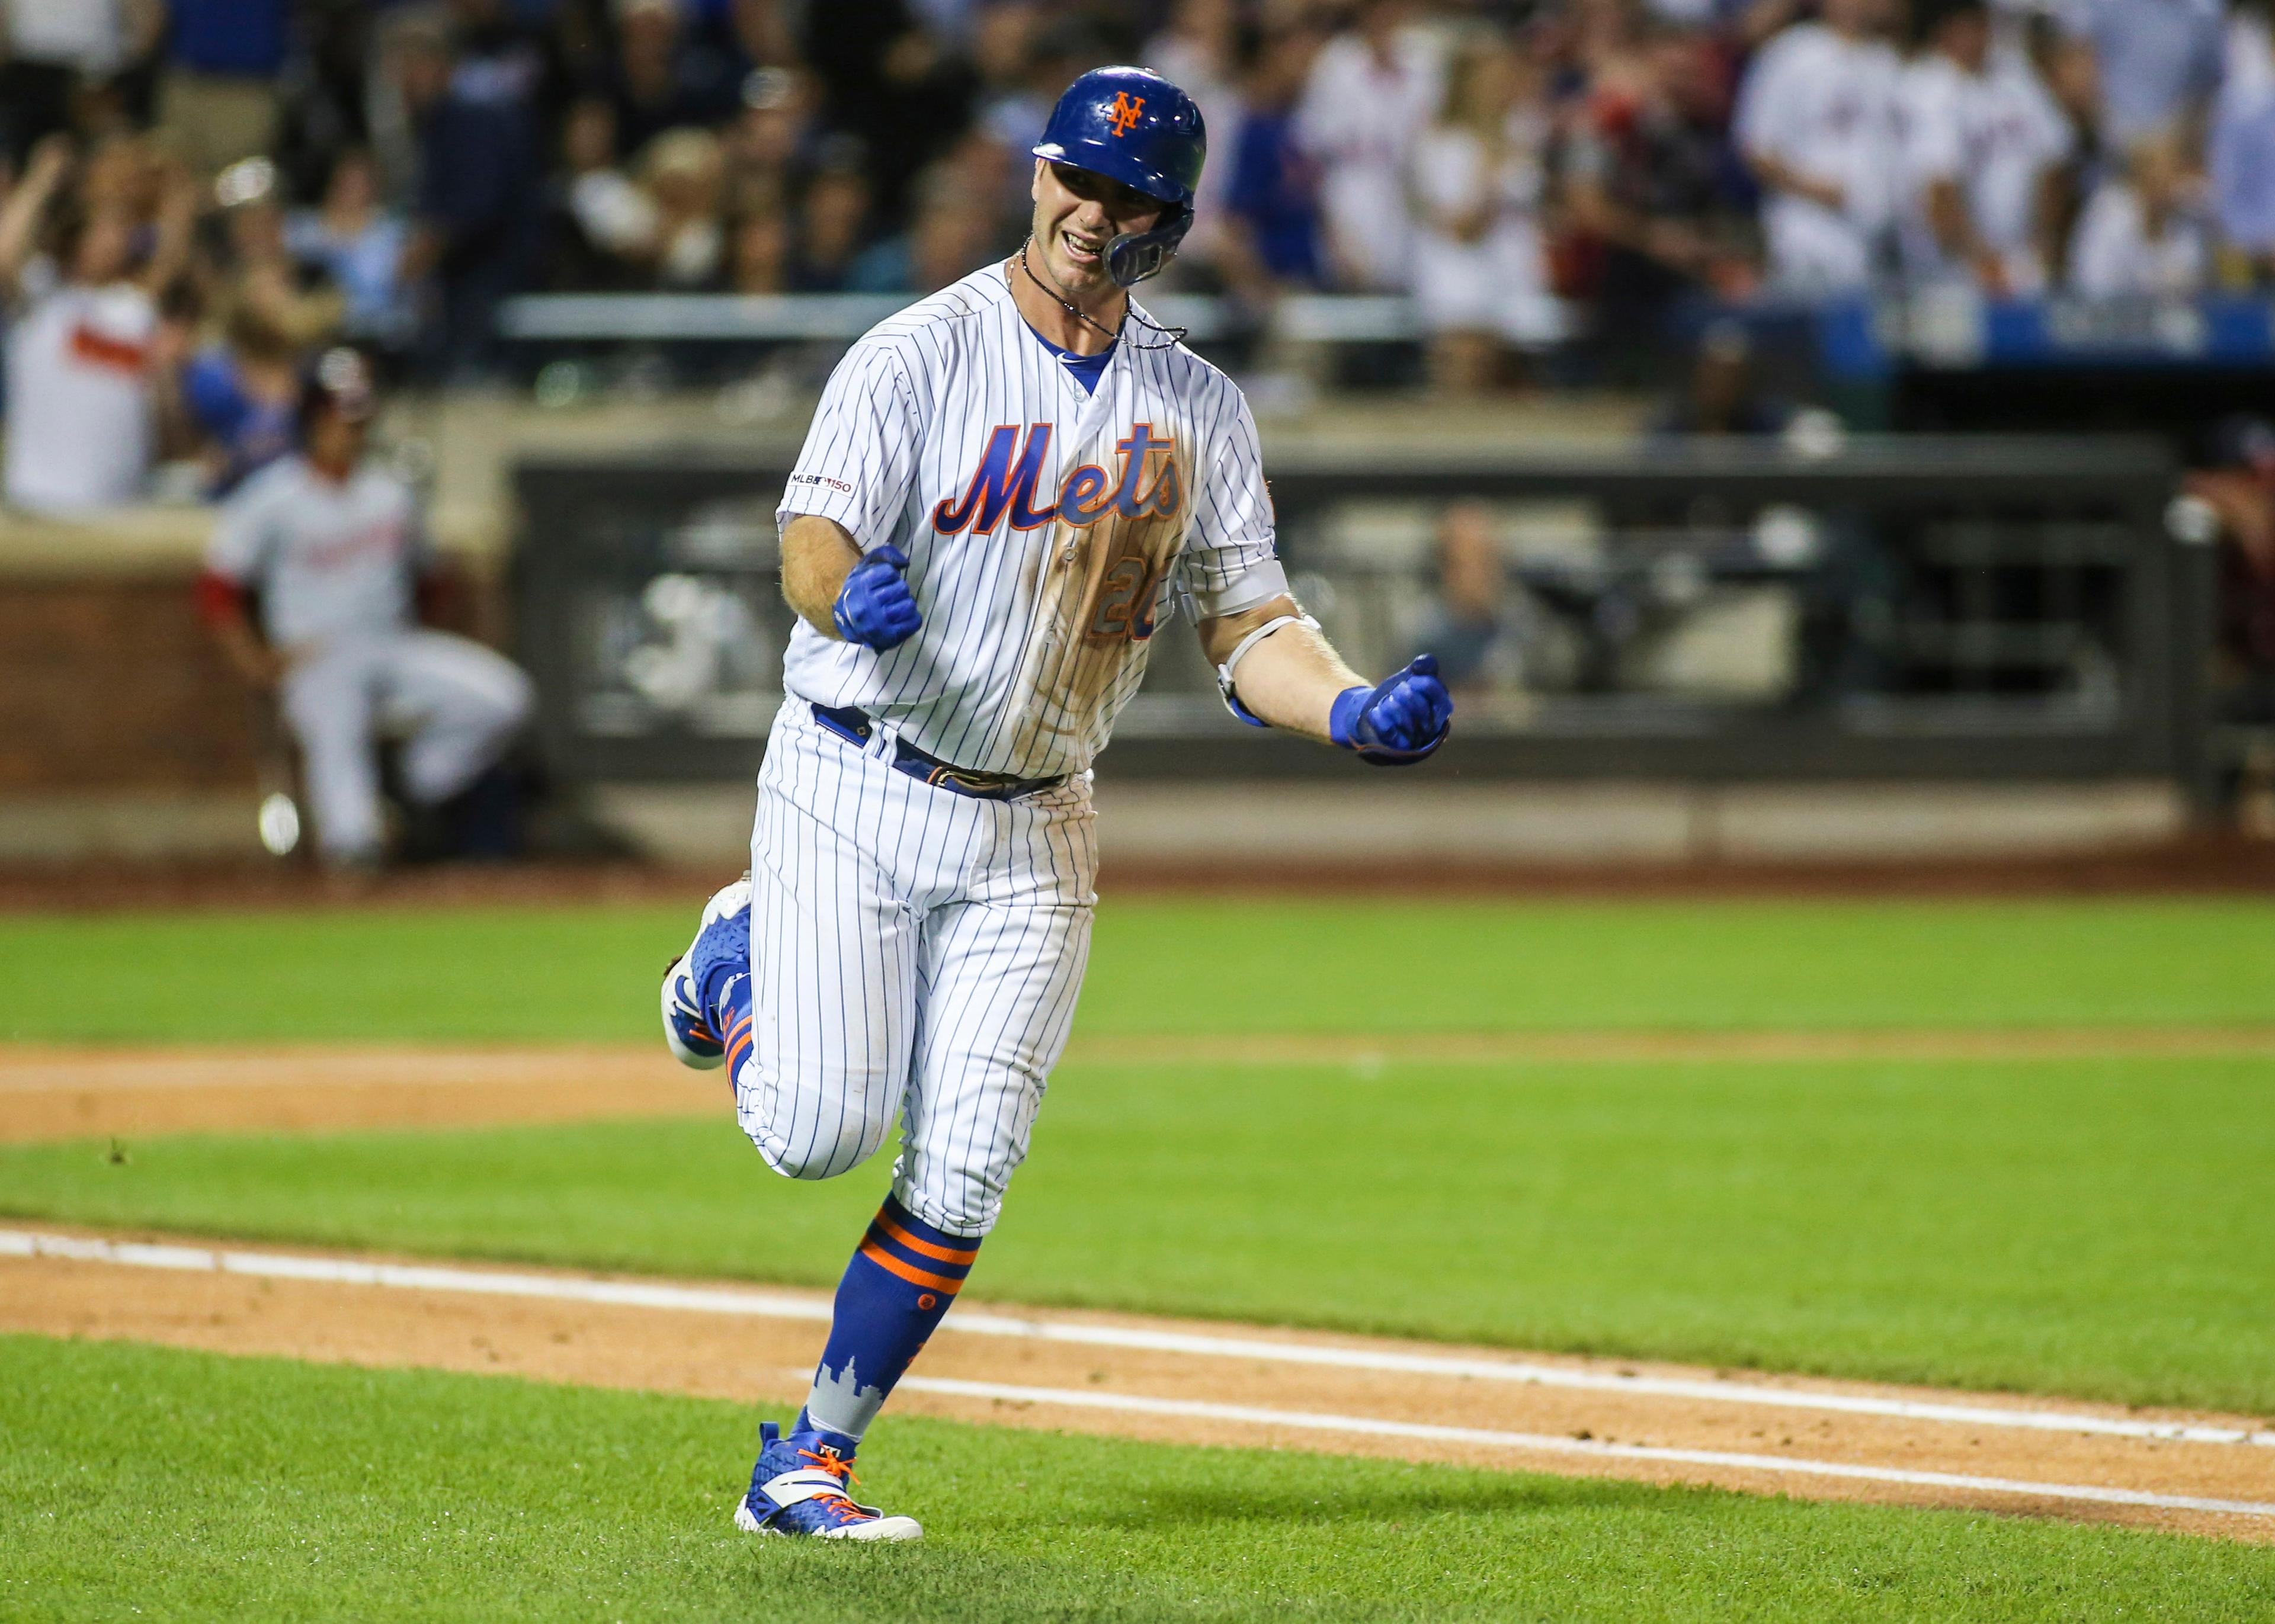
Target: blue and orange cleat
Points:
x,y
802,1491
695,1035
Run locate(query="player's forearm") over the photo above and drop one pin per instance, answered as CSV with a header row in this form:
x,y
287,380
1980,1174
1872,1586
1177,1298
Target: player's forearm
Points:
x,y
21,213
247,655
817,557
1289,679
1776,175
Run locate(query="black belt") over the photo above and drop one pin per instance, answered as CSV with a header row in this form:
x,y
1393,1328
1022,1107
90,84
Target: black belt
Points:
x,y
855,725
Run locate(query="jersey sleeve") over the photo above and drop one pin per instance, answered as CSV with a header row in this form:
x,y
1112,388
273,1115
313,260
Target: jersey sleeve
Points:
x,y
859,459
238,551
1228,563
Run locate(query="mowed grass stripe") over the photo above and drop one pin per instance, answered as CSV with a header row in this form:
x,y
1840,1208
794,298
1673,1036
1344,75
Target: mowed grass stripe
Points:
x,y
333,1491
2092,1228
50,1091
1183,966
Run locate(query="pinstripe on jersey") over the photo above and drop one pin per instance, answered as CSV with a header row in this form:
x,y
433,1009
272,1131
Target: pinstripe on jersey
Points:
x,y
1049,531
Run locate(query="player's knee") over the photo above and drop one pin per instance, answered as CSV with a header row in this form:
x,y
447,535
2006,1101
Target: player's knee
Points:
x,y
822,1155
504,702
962,1195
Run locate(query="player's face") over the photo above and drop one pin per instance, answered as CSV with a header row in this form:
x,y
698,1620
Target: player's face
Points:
x,y
336,439
1077,213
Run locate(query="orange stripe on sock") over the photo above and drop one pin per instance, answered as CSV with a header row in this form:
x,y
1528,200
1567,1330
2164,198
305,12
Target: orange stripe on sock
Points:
x,y
929,1248
909,1272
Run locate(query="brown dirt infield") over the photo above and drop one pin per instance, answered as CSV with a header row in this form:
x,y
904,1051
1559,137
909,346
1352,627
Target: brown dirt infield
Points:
x,y
766,1359
64,1093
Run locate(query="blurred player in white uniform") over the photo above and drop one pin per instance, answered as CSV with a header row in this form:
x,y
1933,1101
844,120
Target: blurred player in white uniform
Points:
x,y
1981,137
1008,490
1817,122
331,544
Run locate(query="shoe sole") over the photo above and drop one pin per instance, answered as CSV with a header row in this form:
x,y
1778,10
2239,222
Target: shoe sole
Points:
x,y
900,1531
694,1060
735,896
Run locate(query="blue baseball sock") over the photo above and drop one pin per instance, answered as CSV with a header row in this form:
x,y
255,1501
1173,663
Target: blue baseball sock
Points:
x,y
726,996
899,1282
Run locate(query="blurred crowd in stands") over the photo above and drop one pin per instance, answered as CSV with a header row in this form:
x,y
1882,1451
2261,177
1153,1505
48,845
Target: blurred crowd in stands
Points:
x,y
197,191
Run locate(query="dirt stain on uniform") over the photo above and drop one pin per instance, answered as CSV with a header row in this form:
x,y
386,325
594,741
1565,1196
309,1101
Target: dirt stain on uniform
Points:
x,y
1101,587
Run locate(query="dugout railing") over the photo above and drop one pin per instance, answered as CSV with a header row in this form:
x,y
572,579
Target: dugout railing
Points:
x,y
1977,609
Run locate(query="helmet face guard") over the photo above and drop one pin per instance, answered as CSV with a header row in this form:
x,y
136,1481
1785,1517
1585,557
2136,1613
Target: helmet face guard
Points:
x,y
1133,256
1135,127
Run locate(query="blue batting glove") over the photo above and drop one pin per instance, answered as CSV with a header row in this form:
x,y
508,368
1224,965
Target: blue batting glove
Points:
x,y
1397,722
875,607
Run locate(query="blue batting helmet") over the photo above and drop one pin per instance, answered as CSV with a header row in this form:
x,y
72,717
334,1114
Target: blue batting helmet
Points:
x,y
1132,125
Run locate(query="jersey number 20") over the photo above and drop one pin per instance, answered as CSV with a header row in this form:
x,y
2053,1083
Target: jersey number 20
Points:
x,y
1125,601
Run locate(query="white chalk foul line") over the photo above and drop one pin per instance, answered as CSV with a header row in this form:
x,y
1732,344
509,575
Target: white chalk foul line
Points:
x,y
1548,1443
771,1306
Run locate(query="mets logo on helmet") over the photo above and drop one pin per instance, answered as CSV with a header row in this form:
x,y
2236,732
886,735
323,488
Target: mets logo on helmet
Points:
x,y
1124,111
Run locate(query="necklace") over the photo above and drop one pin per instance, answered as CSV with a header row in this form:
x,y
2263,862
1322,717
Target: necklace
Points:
x,y
1175,336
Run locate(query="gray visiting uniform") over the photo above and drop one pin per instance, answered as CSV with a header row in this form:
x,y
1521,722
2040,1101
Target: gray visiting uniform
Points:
x,y
334,563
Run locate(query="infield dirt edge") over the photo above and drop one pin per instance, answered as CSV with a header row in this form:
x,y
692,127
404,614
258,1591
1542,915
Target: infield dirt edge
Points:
x,y
767,1360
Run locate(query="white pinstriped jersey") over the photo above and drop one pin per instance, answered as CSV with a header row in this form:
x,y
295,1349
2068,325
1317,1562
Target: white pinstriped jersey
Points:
x,y
1048,530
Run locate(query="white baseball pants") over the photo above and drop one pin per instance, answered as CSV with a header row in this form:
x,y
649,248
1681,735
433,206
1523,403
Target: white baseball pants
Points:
x,y
458,704
914,952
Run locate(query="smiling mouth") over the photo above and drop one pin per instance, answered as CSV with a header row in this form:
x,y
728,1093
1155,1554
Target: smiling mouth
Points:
x,y
1082,250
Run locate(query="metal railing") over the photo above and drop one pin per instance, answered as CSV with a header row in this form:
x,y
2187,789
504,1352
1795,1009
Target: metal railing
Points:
x,y
776,317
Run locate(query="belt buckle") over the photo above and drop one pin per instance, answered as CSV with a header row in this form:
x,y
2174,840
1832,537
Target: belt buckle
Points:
x,y
979,786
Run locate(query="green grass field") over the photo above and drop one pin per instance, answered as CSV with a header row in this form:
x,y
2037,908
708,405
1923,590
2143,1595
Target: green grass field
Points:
x,y
141,1481
566,975
2096,1228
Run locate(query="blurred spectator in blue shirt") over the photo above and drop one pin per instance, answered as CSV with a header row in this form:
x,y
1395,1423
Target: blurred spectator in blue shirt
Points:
x,y
2160,61
476,209
218,98
1271,204
240,395
359,246
2243,158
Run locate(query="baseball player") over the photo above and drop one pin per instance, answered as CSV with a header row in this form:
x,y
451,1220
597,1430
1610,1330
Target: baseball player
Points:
x,y
1007,489
331,544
